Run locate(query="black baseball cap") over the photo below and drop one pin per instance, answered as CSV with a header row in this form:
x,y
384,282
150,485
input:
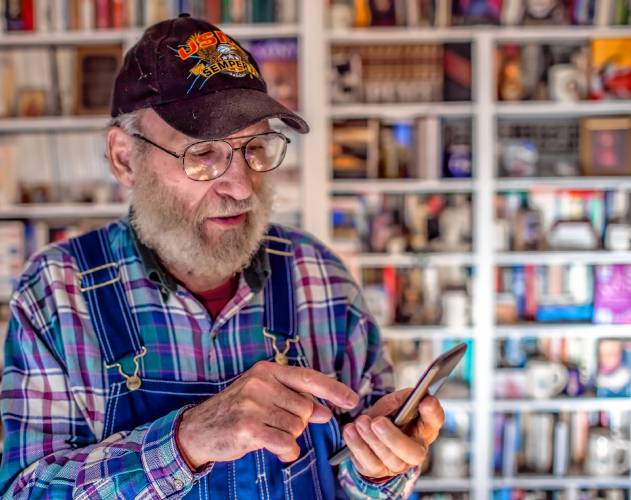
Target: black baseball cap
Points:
x,y
198,79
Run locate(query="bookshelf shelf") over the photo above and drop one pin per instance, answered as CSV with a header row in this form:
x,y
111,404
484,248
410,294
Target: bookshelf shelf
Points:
x,y
527,183
107,36
568,404
401,111
587,331
63,211
399,35
409,260
424,332
551,482
429,483
52,123
360,186
562,257
560,109
317,190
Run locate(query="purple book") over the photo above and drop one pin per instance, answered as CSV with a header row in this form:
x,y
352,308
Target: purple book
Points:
x,y
612,294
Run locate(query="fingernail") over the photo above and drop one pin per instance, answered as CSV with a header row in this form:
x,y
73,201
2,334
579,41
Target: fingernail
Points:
x,y
379,426
352,399
349,433
362,424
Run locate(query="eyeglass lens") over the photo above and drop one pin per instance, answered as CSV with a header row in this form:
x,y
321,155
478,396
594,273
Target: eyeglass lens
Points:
x,y
210,159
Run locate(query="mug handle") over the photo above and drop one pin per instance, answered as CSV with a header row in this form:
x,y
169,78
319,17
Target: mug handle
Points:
x,y
561,378
623,448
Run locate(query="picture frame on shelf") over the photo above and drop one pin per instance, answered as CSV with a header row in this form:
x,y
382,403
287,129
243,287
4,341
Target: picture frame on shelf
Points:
x,y
605,146
96,69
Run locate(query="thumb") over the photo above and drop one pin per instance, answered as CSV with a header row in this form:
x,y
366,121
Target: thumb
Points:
x,y
389,403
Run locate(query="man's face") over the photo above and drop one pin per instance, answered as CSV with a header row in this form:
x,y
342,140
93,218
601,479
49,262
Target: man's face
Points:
x,y
210,228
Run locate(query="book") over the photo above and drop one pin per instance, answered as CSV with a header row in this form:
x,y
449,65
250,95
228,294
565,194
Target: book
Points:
x,y
278,63
428,148
11,255
355,149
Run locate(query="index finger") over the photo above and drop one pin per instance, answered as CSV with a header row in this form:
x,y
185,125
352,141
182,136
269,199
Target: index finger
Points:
x,y
317,384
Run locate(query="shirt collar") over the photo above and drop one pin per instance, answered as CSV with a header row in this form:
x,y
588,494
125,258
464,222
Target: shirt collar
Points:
x,y
256,274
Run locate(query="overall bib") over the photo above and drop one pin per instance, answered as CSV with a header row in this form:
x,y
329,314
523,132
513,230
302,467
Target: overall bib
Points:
x,y
134,400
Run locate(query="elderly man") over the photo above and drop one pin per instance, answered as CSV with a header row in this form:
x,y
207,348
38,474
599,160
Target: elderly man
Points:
x,y
192,349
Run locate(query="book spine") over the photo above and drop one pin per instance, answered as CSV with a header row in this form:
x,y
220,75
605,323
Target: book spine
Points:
x,y
213,11
14,15
42,16
28,15
101,14
118,14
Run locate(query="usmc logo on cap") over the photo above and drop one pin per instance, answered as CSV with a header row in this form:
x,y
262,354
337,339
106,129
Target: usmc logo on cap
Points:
x,y
214,52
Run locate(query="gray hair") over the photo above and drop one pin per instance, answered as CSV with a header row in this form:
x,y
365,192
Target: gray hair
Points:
x,y
130,124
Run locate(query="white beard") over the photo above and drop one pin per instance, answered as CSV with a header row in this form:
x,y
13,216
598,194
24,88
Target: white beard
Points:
x,y
163,223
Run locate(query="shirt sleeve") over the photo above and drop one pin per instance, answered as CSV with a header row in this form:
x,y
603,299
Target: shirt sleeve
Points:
x,y
49,450
368,371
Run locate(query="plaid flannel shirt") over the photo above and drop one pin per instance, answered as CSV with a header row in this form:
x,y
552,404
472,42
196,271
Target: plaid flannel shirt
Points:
x,y
54,386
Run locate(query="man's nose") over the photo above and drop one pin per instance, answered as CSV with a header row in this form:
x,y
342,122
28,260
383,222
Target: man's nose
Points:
x,y
237,181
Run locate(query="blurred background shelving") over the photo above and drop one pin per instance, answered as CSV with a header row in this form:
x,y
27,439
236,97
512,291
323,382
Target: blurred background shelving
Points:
x,y
448,143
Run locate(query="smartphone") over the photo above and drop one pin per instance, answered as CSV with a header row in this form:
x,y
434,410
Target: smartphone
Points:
x,y
430,382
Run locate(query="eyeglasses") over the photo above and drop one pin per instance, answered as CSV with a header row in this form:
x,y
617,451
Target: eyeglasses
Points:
x,y
208,160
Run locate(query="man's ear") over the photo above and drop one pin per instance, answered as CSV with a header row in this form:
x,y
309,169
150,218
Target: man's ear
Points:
x,y
119,153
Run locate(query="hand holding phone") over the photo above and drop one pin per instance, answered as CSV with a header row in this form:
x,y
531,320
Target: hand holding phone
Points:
x,y
429,383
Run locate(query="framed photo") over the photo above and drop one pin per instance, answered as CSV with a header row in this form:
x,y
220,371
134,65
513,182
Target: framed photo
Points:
x,y
605,145
96,70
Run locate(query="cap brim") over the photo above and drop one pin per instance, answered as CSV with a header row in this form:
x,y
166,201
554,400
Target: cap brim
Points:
x,y
220,114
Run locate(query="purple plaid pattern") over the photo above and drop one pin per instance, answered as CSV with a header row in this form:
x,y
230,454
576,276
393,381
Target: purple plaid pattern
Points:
x,y
54,384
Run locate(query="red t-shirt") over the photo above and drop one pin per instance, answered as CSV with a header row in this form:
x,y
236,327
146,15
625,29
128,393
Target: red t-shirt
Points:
x,y
214,300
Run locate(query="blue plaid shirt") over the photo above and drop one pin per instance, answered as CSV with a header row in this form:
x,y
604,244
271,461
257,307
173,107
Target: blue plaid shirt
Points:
x,y
54,384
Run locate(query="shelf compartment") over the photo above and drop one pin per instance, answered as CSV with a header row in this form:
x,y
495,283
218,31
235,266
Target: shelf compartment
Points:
x,y
361,186
560,404
588,331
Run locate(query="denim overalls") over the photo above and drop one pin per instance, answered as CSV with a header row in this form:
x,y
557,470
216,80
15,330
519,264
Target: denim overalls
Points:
x,y
134,400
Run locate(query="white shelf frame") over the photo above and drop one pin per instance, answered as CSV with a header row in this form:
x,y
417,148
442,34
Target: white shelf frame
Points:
x,y
366,186
130,35
317,187
558,405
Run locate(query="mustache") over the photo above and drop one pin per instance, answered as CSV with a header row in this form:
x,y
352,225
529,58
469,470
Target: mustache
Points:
x,y
228,207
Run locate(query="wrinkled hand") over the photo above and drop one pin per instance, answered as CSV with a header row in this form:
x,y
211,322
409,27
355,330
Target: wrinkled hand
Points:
x,y
380,449
269,406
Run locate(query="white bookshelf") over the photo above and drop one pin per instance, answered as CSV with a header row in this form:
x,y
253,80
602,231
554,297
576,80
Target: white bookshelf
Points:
x,y
317,188
129,36
566,404
401,186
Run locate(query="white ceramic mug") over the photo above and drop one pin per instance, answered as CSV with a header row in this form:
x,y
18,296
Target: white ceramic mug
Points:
x,y
455,309
545,379
607,455
450,457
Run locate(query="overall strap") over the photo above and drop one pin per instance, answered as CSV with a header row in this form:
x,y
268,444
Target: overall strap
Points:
x,y
280,315
100,282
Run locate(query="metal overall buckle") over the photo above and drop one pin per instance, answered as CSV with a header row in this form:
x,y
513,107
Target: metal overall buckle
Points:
x,y
132,382
279,356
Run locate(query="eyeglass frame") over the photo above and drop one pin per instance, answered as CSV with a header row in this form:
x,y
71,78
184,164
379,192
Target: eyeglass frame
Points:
x,y
180,156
